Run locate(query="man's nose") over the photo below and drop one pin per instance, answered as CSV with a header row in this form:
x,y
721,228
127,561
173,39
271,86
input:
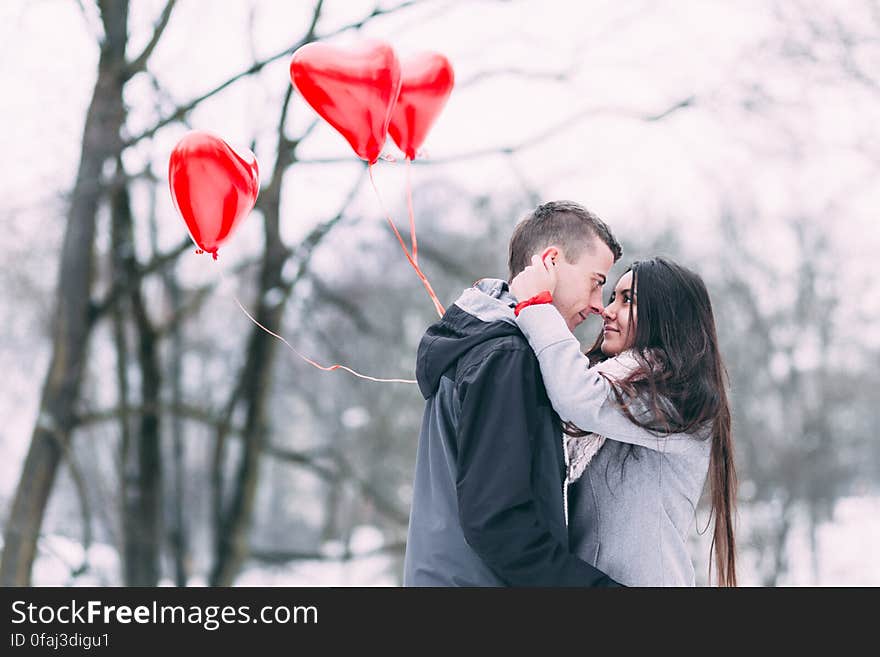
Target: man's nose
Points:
x,y
596,305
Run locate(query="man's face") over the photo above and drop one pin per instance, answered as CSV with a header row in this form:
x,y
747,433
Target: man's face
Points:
x,y
578,290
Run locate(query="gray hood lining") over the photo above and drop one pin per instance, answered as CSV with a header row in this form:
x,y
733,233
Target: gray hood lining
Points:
x,y
489,300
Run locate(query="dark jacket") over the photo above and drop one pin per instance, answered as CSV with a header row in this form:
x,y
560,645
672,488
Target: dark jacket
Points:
x,y
487,505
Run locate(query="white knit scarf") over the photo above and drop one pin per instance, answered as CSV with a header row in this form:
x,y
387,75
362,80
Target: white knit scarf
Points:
x,y
580,451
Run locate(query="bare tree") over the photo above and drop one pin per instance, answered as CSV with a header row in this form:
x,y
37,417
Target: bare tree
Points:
x,y
73,319
77,314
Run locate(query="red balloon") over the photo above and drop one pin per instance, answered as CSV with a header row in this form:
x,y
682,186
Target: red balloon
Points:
x,y
427,82
212,186
353,89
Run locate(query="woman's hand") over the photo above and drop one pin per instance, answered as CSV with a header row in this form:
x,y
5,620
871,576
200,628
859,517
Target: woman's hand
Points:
x,y
534,279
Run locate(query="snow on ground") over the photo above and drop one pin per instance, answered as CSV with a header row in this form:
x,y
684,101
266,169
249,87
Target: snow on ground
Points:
x,y
845,558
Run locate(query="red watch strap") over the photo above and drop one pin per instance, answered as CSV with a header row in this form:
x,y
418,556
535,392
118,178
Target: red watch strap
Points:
x,y
542,297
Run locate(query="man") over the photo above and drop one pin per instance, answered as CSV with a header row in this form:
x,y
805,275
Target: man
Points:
x,y
487,505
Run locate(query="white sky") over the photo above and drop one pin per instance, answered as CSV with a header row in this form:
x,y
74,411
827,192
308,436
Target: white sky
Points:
x,y
635,58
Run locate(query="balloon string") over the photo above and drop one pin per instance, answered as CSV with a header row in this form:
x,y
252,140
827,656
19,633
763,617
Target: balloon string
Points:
x,y
437,305
412,216
306,358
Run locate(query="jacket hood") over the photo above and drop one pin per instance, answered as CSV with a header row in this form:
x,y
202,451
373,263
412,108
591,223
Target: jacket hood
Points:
x,y
483,312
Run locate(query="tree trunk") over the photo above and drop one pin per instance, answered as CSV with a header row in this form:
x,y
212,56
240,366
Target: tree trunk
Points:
x,y
233,521
141,467
178,536
72,319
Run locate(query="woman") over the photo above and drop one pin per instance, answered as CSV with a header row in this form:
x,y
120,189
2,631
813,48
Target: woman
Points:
x,y
647,409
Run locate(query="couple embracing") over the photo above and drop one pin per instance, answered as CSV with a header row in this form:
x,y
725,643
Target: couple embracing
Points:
x,y
541,465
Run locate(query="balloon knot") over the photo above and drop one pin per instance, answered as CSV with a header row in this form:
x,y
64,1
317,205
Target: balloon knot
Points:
x,y
199,252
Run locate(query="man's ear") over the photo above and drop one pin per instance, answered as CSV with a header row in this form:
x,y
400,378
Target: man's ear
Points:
x,y
552,253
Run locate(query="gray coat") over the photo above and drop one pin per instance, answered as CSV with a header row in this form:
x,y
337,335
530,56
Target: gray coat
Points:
x,y
631,511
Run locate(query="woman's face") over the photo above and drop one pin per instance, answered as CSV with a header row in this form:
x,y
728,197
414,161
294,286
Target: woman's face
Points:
x,y
619,331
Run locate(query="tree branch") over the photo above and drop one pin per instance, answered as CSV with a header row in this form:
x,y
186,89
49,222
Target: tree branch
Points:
x,y
303,252
382,504
286,556
196,297
95,30
349,309
306,459
510,71
343,472
256,67
122,287
183,410
140,62
554,129
443,260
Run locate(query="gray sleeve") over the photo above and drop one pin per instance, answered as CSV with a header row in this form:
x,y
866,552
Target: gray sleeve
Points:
x,y
580,394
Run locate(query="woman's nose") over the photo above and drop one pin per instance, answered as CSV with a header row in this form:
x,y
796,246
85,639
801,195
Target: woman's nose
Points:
x,y
607,313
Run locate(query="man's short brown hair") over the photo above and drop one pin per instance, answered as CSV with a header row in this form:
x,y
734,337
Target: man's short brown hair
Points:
x,y
566,224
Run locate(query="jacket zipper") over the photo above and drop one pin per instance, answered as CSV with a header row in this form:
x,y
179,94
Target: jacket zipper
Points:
x,y
565,479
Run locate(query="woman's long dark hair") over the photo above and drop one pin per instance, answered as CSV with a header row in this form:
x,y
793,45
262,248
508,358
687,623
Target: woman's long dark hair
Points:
x,y
682,375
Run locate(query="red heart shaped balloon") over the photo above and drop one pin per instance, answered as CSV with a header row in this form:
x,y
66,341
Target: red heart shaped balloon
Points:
x,y
212,186
427,82
353,89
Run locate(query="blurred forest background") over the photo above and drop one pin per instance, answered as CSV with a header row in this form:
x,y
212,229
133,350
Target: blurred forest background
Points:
x,y
152,435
